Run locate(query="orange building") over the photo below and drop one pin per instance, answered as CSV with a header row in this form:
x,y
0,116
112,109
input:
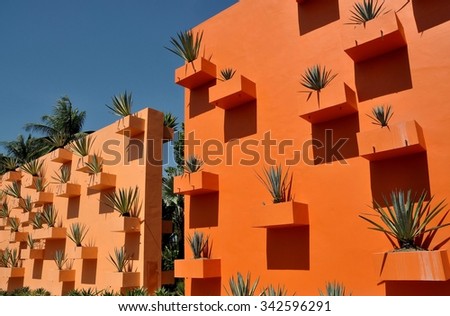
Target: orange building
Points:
x,y
339,160
131,154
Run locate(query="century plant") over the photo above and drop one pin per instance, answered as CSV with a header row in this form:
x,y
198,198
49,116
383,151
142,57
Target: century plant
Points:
x,y
316,78
274,291
33,167
81,146
50,214
30,241
13,258
278,184
198,243
26,205
123,201
77,233
381,115
170,120
120,259
40,184
37,221
14,223
365,11
186,45
241,286
140,291
13,190
60,259
5,211
226,74
333,289
193,164
63,176
121,104
10,163
405,222
4,258
95,165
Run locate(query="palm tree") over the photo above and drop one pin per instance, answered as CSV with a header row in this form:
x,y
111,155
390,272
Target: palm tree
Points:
x,y
24,150
62,126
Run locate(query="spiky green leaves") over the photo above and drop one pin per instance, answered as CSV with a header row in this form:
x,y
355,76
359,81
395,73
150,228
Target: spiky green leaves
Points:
x,y
77,233
198,243
241,286
120,259
170,120
60,259
81,146
366,11
333,289
63,175
316,78
226,74
186,45
124,201
193,164
33,167
278,184
381,115
121,104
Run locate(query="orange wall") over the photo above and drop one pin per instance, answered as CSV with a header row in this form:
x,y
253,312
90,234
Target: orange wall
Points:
x,y
272,42
132,168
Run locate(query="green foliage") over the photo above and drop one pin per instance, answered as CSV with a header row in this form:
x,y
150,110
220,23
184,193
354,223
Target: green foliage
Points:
x,y
365,11
140,291
5,211
199,244
23,150
406,220
226,74
10,163
14,223
316,78
40,292
186,45
178,148
162,291
120,260
81,146
77,233
169,254
49,215
124,201
381,115
121,104
193,164
170,121
60,259
13,190
333,289
241,287
40,184
37,221
26,205
10,257
33,167
63,176
4,258
278,185
108,292
96,165
84,292
272,291
30,241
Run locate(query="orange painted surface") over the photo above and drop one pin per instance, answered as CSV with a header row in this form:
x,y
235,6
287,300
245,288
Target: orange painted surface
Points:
x,y
197,268
231,93
196,183
281,40
128,162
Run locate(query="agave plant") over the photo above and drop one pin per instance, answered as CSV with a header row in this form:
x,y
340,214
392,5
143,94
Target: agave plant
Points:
x,y
60,259
77,233
58,140
278,185
140,291
170,120
49,215
381,115
4,258
241,287
26,205
198,243
33,167
162,291
316,78
333,289
405,222
186,45
40,184
226,74
10,163
37,221
81,146
193,164
14,223
272,291
365,11
63,176
13,258
120,259
123,201
121,104
40,292
95,165
30,241
5,211
13,190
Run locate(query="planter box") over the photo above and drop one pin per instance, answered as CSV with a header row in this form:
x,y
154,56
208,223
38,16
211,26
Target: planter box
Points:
x,y
335,101
413,265
287,214
167,134
197,268
61,155
233,92
68,190
4,222
82,253
32,253
81,163
12,272
130,126
167,277
195,74
12,176
399,139
18,237
63,275
29,181
41,198
167,227
200,182
26,217
124,279
102,181
16,203
125,224
377,37
50,233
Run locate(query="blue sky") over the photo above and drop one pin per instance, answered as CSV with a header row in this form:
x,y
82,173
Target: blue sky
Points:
x,y
91,50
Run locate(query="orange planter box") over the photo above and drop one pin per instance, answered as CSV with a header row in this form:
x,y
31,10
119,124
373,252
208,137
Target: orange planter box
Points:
x,y
195,74
12,272
413,265
102,181
61,155
335,101
124,279
50,233
29,181
26,217
41,198
200,182
130,126
287,214
12,176
16,203
18,237
399,139
82,253
167,133
167,277
32,253
81,163
197,268
125,224
233,92
68,190
63,275
377,37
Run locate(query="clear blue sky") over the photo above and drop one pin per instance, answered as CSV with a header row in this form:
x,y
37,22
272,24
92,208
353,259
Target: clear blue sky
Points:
x,y
91,50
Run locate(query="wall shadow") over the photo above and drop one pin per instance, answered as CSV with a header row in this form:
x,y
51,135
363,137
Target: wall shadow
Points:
x,y
430,13
240,121
131,244
89,271
199,101
135,148
38,266
335,140
204,210
206,287
73,207
403,173
288,248
103,208
14,283
315,14
383,75
417,288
